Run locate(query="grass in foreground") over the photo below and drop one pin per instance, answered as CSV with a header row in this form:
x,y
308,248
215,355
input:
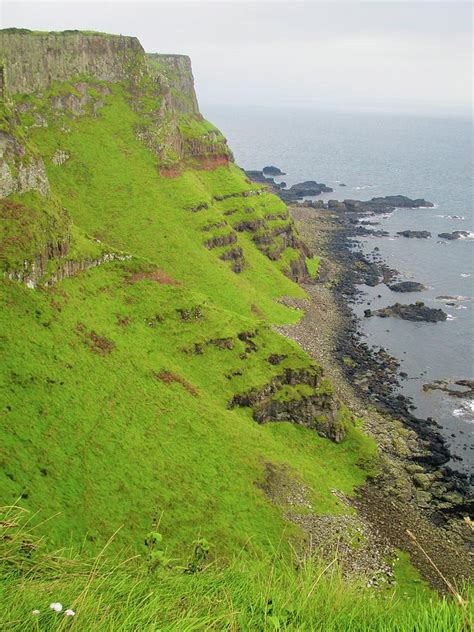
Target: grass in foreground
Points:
x,y
269,592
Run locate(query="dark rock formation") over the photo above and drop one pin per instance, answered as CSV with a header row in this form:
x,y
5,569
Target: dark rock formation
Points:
x,y
375,205
221,240
456,234
402,201
273,171
308,188
407,286
415,234
236,256
295,192
299,396
303,189
416,312
257,176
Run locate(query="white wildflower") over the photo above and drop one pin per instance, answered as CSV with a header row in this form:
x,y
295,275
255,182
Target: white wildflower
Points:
x,y
69,612
35,613
56,606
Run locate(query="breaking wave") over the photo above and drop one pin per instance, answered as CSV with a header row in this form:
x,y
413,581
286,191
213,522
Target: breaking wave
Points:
x,y
465,410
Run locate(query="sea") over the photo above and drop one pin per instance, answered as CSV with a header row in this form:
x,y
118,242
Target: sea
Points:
x,y
378,154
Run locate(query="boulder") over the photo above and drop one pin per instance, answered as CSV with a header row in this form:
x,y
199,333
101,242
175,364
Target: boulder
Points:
x,y
407,286
273,171
417,312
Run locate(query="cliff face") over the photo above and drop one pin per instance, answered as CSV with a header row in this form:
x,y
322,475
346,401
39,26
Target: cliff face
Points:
x,y
176,74
32,62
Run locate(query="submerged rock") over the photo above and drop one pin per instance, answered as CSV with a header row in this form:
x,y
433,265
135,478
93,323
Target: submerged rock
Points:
x,y
415,312
455,388
417,234
456,234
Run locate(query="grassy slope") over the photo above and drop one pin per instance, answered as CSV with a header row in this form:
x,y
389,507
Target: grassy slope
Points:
x,y
91,433
98,437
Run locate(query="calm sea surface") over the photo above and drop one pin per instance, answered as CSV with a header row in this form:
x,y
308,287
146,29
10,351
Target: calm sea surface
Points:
x,y
377,155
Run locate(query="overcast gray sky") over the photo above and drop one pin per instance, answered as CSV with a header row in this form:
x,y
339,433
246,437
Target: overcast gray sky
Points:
x,y
388,55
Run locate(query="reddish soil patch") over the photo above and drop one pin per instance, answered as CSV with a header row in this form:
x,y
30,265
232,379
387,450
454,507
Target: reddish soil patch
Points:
x,y
169,378
256,311
212,161
206,162
157,275
123,321
170,172
97,344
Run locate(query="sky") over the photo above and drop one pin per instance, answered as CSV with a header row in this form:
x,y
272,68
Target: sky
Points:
x,y
379,55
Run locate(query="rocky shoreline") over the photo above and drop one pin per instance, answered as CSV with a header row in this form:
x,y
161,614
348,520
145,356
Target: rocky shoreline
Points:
x,y
415,456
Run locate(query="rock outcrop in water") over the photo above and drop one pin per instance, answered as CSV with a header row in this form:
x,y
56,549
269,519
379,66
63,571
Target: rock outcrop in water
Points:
x,y
415,234
417,312
296,192
407,286
456,234
368,207
271,170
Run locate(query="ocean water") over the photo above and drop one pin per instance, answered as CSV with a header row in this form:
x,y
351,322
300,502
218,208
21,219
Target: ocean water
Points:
x,y
386,154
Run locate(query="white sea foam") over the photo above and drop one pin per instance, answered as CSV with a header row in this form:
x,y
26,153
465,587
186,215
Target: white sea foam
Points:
x,y
454,217
465,275
461,307
466,409
451,317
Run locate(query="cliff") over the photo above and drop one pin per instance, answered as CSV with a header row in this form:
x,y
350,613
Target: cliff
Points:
x,y
33,61
144,385
176,73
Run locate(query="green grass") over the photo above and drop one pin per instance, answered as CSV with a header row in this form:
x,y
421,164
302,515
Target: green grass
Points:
x,y
313,266
258,592
81,393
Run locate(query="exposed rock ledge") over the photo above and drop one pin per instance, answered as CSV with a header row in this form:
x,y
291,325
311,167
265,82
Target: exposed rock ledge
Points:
x,y
299,396
68,268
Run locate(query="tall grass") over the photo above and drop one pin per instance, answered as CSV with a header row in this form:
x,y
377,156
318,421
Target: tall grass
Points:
x,y
269,592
